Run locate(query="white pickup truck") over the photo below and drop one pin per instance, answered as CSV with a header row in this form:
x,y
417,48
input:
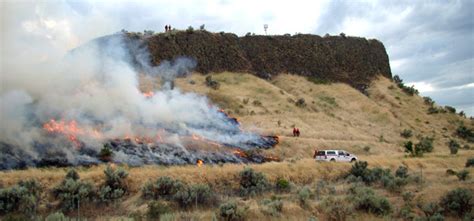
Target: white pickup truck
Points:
x,y
335,156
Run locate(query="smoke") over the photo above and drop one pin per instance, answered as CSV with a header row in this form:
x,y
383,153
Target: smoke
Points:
x,y
64,105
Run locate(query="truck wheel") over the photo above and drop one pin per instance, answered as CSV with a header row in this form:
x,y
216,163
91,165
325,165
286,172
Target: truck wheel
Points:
x,y
353,160
333,160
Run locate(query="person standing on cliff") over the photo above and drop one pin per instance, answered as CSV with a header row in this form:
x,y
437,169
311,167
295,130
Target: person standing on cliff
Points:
x,y
166,28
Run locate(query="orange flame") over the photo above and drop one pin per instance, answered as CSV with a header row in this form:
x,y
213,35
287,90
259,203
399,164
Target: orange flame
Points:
x,y
69,129
148,94
199,163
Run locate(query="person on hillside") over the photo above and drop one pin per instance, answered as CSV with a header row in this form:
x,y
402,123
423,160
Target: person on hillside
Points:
x,y
297,132
315,153
294,131
169,27
166,28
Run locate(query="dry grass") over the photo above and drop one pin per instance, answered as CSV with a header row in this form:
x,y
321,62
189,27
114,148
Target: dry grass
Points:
x,y
336,116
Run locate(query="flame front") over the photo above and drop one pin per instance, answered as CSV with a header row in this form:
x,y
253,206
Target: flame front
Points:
x,y
199,163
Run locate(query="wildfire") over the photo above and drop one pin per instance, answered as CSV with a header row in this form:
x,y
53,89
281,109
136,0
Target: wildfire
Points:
x,y
199,163
240,153
69,129
148,94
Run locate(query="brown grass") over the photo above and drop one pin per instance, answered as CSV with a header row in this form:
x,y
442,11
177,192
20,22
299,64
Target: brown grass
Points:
x,y
336,117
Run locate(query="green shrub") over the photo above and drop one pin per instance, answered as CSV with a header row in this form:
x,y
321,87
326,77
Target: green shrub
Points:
x,y
212,83
72,174
406,133
157,209
230,211
465,133
450,109
428,101
57,216
458,202
23,197
164,187
433,110
282,185
198,194
432,211
365,199
359,170
451,172
190,29
72,192
106,153
453,146
272,207
402,172
336,208
425,144
252,183
470,162
303,195
462,175
300,102
115,184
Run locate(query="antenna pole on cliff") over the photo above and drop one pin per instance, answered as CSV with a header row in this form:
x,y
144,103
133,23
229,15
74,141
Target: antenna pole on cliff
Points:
x,y
265,27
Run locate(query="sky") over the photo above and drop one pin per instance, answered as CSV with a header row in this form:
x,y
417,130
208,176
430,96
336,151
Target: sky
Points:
x,y
430,43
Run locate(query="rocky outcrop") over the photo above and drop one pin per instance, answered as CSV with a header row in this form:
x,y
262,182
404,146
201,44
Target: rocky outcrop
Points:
x,y
350,60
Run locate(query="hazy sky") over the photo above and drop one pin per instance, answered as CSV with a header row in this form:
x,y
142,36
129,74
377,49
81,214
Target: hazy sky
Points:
x,y
430,43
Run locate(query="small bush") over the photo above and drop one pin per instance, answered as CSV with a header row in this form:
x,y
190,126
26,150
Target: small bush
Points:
x,y
257,103
202,27
470,162
252,183
402,172
450,172
157,209
450,109
106,153
115,184
453,146
282,185
23,197
425,144
190,29
432,211
365,199
300,102
198,194
164,187
458,202
462,175
336,208
428,101
303,195
433,110
406,133
367,149
465,133
212,83
272,207
359,170
230,211
72,192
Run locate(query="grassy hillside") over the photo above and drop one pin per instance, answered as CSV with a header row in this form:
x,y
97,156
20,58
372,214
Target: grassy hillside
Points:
x,y
333,116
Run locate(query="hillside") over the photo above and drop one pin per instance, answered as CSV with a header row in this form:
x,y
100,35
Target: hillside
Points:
x,y
336,116
352,60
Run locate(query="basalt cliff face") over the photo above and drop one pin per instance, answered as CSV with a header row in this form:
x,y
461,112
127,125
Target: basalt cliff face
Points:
x,y
351,60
